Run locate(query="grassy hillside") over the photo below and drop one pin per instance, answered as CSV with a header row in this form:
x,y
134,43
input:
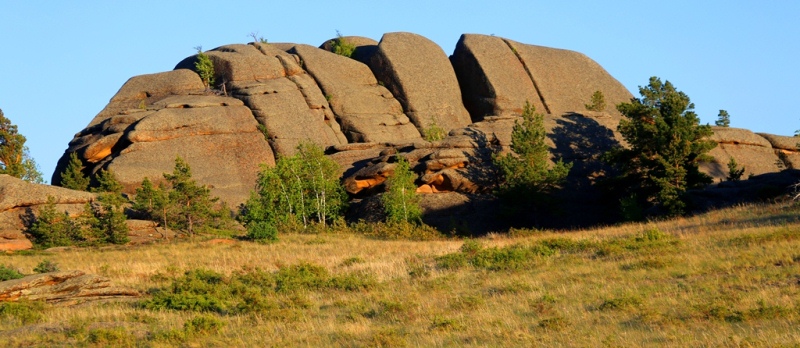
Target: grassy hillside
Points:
x,y
726,278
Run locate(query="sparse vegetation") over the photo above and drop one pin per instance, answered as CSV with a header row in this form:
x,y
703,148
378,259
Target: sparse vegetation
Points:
x,y
434,132
342,46
205,68
717,279
597,103
46,266
8,273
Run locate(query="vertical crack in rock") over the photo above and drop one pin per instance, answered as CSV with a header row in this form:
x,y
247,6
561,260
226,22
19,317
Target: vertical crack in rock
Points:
x,y
530,75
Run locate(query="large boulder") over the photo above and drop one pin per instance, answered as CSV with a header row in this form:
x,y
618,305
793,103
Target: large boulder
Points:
x,y
420,76
786,147
750,150
493,80
281,95
565,80
366,111
20,202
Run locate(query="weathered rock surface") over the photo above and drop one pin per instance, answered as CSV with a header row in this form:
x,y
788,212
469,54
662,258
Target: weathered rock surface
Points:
x,y
20,202
63,288
751,151
420,76
493,80
786,148
366,111
281,95
364,47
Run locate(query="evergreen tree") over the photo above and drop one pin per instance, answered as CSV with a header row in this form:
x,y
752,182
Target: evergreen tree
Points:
x,y
72,177
51,228
110,220
527,174
598,102
193,205
14,157
666,143
400,202
205,67
723,119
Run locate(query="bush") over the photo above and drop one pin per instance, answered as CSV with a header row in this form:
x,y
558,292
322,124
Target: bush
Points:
x,y
262,231
8,273
342,46
205,68
46,266
434,132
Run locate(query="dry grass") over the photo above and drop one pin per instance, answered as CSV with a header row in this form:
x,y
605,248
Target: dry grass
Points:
x,y
726,278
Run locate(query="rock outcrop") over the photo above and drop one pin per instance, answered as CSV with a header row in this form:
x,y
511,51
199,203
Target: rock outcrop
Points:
x,y
20,202
373,106
63,288
420,76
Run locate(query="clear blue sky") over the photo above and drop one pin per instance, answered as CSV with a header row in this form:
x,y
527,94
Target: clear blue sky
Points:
x,y
62,61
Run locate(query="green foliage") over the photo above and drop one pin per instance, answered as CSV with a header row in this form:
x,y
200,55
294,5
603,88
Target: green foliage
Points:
x,y
299,189
153,202
667,143
723,119
400,202
203,324
262,231
8,273
527,173
342,46
598,102
205,68
51,228
46,266
72,177
193,205
434,132
249,291
14,157
734,172
257,38
27,312
109,221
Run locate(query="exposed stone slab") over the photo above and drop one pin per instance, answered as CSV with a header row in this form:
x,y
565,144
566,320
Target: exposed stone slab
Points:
x,y
420,76
63,288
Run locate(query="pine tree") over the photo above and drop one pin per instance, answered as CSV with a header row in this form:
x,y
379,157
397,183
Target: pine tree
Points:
x,y
51,228
192,203
110,220
527,173
723,119
598,102
400,202
205,67
72,177
14,157
666,143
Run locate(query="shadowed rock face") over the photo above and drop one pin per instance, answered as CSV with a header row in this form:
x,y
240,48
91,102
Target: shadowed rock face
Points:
x,y
751,151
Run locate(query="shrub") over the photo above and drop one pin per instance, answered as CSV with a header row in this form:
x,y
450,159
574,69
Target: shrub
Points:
x,y
203,324
8,273
51,229
262,231
434,132
46,266
342,46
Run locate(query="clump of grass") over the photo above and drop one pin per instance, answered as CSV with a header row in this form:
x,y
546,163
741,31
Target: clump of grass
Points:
x,y
25,311
620,303
116,336
514,257
744,240
46,266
